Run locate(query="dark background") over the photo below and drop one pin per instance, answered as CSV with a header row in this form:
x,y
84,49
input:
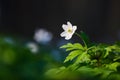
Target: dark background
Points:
x,y
100,19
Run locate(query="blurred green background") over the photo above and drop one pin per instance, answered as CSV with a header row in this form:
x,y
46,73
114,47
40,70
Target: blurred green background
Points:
x,y
19,62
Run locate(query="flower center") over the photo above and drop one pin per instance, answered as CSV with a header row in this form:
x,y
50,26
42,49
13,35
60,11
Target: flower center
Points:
x,y
70,31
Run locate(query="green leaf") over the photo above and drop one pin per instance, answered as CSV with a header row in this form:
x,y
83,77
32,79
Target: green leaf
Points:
x,y
103,73
72,55
84,57
108,49
75,46
113,66
114,76
93,61
86,70
56,72
67,45
116,58
73,67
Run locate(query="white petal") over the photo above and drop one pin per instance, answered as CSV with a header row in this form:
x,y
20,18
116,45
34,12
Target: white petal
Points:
x,y
74,28
63,34
69,36
64,27
69,25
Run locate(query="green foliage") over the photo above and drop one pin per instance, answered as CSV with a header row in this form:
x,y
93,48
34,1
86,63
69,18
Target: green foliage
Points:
x,y
113,66
72,55
83,58
75,46
78,52
96,61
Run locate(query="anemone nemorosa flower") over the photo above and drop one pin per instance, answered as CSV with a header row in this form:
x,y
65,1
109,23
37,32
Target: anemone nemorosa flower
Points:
x,y
69,30
33,47
43,36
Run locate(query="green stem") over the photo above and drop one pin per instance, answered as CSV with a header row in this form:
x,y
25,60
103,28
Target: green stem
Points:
x,y
82,40
90,48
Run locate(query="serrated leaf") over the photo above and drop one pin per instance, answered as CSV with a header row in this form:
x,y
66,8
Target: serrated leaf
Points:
x,y
116,58
72,55
75,46
113,66
73,67
84,57
102,72
67,45
108,49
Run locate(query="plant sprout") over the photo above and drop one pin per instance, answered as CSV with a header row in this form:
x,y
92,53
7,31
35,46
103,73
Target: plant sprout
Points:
x,y
90,61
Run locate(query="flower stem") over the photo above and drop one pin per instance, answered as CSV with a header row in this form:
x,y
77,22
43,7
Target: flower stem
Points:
x,y
82,40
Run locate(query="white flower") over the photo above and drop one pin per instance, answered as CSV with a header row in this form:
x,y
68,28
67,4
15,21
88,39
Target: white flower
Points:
x,y
69,30
43,36
33,47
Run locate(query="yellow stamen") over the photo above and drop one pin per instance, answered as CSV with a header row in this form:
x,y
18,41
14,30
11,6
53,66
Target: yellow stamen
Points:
x,y
69,30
